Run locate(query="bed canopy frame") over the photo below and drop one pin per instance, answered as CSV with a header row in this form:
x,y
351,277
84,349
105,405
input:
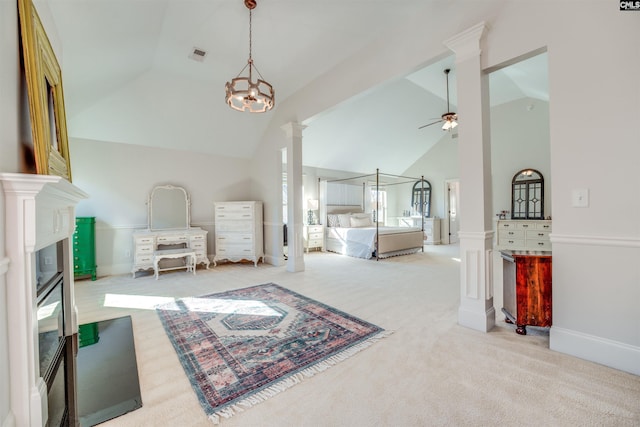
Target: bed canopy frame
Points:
x,y
381,179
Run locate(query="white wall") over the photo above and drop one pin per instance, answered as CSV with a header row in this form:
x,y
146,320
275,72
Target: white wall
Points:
x,y
592,71
9,162
119,178
595,282
437,165
519,140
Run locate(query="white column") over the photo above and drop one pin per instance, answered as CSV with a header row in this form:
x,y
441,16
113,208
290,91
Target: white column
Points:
x,y
295,223
476,236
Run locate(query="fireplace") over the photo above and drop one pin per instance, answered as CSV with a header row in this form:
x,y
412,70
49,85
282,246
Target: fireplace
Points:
x,y
41,311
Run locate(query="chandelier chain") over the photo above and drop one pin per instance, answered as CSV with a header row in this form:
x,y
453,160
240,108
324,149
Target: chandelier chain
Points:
x,y
250,38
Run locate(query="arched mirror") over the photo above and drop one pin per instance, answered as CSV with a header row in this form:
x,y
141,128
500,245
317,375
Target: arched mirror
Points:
x,y
169,208
421,198
527,195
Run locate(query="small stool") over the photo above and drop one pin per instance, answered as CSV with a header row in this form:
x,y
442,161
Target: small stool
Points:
x,y
187,253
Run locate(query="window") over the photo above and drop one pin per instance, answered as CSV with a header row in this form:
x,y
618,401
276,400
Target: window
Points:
x,y
378,204
527,195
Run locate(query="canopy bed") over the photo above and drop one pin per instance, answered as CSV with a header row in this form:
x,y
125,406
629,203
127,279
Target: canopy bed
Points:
x,y
355,212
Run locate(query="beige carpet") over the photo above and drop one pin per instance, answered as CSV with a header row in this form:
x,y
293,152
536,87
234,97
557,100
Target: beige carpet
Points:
x,y
429,372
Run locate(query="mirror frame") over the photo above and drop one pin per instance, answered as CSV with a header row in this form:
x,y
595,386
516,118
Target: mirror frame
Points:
x,y
524,181
187,202
46,97
421,190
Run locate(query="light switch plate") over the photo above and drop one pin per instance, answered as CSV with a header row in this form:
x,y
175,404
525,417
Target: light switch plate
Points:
x,y
580,198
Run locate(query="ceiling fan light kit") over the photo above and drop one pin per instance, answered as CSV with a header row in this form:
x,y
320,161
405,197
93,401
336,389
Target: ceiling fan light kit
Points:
x,y
449,118
245,94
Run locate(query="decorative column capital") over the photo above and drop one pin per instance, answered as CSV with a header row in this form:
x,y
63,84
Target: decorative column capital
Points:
x,y
467,43
293,129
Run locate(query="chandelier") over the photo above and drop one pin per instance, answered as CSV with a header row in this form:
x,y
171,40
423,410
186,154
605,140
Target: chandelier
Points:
x,y
245,94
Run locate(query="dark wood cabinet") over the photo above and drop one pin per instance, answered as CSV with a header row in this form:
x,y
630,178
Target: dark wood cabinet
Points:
x,y
527,289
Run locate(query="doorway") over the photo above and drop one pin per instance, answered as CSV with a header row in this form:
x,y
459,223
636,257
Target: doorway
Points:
x,y
285,207
451,224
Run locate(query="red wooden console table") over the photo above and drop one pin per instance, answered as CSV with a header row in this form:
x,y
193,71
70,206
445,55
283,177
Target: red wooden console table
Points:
x,y
527,288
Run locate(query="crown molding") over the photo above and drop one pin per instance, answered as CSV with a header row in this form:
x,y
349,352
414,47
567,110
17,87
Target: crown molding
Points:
x,y
467,43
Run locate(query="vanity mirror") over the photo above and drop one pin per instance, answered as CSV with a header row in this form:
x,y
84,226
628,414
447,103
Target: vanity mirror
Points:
x,y
169,208
169,242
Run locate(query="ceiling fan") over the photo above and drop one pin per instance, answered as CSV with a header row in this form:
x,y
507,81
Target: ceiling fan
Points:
x,y
449,119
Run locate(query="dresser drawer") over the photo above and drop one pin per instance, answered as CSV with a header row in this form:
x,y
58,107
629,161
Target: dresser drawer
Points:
x,y
234,225
235,250
538,245
314,229
512,243
511,234
537,234
224,241
234,211
172,240
544,226
144,249
314,243
144,240
144,259
316,236
197,245
507,225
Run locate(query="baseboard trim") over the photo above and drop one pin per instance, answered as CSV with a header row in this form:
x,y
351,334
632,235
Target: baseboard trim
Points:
x,y
482,321
606,352
115,269
9,421
275,261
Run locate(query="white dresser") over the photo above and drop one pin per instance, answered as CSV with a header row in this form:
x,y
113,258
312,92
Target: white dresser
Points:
x,y
432,231
313,236
146,242
524,235
431,227
239,231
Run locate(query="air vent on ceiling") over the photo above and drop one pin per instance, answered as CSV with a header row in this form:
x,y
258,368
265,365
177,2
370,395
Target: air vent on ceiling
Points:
x,y
198,54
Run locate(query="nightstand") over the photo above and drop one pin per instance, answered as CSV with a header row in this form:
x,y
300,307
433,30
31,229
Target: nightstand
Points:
x,y
313,237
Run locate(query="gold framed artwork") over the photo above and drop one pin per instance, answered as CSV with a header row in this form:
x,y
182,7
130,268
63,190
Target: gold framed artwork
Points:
x,y
46,98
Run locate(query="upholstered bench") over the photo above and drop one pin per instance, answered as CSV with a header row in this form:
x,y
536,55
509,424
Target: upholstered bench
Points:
x,y
187,253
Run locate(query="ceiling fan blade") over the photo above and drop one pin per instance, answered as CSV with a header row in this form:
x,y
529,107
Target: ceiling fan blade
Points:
x,y
429,124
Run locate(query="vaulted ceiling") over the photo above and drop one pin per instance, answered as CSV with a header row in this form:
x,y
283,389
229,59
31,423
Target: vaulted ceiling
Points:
x,y
129,78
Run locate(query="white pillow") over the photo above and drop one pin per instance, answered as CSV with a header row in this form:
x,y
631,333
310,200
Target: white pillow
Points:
x,y
332,220
361,221
362,215
344,220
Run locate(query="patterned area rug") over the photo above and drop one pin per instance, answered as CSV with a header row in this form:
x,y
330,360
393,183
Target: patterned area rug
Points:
x,y
243,346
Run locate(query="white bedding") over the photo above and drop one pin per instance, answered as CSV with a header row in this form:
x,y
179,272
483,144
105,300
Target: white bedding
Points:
x,y
359,242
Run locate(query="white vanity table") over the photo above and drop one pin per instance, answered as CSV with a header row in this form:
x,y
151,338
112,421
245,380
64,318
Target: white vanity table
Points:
x,y
169,236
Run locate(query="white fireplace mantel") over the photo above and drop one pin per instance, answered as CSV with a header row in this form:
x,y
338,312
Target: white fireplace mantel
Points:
x,y
39,211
